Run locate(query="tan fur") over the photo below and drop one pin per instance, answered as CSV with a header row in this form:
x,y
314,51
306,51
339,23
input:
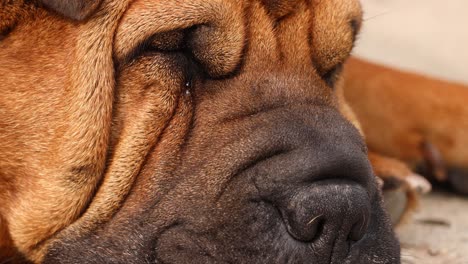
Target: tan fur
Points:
x,y
338,15
73,9
77,128
50,184
69,117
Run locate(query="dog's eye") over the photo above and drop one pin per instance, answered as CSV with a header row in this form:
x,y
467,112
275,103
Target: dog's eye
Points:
x,y
332,75
160,42
4,33
168,41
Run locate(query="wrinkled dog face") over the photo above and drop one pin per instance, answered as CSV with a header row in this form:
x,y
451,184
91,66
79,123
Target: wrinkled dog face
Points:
x,y
224,142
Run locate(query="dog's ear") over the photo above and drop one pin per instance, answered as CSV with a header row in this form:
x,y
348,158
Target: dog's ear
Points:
x,y
74,9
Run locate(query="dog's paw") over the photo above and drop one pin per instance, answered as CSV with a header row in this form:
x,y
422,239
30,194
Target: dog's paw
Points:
x,y
417,183
400,185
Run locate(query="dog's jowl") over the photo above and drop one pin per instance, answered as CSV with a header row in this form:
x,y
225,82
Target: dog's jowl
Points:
x,y
201,131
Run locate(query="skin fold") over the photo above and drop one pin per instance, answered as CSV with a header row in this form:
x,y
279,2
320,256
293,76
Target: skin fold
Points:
x,y
143,131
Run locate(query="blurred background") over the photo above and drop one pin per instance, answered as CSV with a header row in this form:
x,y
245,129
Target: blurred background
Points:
x,y
429,37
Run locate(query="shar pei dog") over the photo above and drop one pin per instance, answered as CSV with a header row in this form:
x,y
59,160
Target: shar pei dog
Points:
x,y
209,131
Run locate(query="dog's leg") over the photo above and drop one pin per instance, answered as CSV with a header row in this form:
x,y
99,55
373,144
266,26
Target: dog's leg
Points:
x,y
418,120
401,186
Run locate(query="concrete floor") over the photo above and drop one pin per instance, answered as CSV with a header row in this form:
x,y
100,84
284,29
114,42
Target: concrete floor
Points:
x,y
438,232
430,37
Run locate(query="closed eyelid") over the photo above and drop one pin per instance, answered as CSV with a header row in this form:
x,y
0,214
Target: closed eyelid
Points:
x,y
161,42
157,17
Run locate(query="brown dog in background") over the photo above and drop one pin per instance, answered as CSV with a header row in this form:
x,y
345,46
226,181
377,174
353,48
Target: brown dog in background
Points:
x,y
208,131
415,119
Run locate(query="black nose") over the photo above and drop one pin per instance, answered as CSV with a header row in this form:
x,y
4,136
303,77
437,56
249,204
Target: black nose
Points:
x,y
320,184
328,210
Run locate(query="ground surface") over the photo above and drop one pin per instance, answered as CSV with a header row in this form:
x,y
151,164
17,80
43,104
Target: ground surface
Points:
x,y
438,232
431,37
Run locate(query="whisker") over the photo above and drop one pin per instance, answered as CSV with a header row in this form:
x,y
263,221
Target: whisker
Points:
x,y
314,219
377,15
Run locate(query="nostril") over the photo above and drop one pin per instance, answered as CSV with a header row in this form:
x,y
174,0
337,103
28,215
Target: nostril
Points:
x,y
330,211
315,225
358,230
302,230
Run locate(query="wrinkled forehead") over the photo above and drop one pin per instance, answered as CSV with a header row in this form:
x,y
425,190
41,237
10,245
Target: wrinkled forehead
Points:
x,y
281,8
167,15
277,8
333,24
